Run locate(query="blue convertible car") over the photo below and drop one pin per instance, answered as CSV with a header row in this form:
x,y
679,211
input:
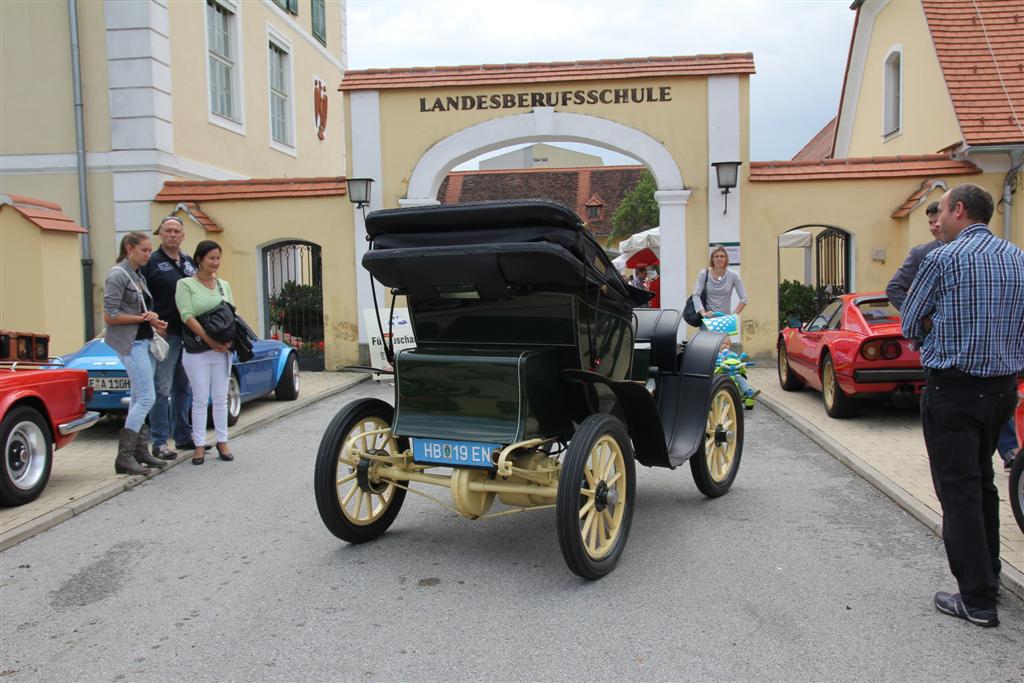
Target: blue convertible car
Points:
x,y
274,367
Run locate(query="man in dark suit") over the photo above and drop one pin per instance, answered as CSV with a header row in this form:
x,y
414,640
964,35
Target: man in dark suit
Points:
x,y
900,283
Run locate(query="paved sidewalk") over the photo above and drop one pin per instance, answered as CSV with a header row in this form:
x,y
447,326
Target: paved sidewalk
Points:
x,y
83,473
884,445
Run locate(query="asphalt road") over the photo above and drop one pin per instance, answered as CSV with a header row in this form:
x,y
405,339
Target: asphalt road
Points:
x,y
225,572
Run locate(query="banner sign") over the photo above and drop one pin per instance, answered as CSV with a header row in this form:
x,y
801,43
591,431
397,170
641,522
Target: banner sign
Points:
x,y
557,98
401,334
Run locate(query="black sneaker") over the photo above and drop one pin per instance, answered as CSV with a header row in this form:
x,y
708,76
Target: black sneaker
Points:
x,y
953,605
185,445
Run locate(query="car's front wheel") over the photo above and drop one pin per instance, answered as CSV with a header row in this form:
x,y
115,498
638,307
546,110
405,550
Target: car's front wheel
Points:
x,y
28,455
787,380
287,388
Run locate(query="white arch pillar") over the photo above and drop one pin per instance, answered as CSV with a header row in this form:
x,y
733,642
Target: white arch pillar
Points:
x,y
675,286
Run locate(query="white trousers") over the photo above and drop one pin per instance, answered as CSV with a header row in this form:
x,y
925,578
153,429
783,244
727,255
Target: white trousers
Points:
x,y
208,374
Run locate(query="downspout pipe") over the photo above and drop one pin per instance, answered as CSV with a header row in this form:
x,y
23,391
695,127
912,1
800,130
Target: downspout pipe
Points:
x,y
83,195
1009,183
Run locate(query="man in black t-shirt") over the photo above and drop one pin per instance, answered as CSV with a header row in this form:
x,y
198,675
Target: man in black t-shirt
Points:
x,y
169,416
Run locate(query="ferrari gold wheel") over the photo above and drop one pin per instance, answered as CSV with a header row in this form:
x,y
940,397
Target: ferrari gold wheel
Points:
x,y
787,380
714,467
595,496
355,503
837,403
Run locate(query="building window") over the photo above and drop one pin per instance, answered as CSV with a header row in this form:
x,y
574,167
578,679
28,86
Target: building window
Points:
x,y
893,93
279,95
320,21
289,6
223,53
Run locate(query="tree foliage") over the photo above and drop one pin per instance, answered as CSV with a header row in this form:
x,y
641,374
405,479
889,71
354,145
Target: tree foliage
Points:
x,y
638,210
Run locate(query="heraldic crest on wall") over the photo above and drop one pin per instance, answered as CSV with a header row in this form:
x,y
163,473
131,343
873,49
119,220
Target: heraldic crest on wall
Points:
x,y
320,108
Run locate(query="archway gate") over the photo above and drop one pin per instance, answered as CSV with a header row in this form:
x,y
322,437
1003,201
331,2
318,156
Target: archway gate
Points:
x,y
409,127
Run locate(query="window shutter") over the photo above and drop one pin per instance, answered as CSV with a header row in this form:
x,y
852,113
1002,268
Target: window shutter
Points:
x,y
293,7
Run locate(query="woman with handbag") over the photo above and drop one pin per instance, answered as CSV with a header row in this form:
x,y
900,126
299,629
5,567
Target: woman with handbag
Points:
x,y
712,293
133,331
206,360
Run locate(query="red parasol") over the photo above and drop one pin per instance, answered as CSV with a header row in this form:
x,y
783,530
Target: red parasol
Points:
x,y
642,259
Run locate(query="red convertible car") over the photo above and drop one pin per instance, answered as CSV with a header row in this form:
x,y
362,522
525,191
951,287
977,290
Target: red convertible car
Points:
x,y
42,408
853,348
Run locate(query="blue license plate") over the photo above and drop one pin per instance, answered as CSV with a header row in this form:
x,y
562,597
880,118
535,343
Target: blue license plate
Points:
x,y
454,453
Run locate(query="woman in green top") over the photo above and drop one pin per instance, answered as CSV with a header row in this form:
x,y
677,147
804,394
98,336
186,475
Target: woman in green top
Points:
x,y
209,370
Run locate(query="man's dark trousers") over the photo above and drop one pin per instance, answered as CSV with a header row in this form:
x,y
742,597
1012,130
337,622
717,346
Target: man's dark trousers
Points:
x,y
961,417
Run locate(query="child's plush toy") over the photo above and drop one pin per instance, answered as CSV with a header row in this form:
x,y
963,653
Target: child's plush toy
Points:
x,y
735,366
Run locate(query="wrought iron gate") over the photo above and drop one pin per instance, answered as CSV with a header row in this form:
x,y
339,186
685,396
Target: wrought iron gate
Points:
x,y
832,256
293,286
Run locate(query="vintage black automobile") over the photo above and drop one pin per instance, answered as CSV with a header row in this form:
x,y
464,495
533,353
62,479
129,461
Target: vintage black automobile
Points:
x,y
535,380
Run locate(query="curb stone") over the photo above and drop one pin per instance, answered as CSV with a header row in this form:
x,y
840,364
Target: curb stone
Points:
x,y
51,519
1011,579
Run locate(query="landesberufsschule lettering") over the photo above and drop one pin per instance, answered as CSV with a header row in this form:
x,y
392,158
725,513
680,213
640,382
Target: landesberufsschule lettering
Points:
x,y
558,98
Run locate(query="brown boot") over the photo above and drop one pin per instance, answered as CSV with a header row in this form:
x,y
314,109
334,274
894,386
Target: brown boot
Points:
x,y
142,454
125,463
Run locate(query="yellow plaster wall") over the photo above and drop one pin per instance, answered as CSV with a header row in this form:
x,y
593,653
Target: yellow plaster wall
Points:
x,y
251,224
62,189
251,155
36,100
40,285
861,207
929,122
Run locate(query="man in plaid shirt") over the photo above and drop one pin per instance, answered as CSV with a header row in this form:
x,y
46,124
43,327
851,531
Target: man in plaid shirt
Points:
x,y
967,306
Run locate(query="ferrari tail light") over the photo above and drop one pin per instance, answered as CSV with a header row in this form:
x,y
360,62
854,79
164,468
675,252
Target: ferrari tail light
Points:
x,y
888,349
87,393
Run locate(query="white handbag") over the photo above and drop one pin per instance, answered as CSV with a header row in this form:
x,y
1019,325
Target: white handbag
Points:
x,y
158,346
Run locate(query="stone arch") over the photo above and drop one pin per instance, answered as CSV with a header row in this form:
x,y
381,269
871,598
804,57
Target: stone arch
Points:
x,y
544,124
541,125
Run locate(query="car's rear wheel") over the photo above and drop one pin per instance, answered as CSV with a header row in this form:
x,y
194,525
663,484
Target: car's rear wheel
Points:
x,y
27,454
787,380
837,403
287,388
354,502
594,507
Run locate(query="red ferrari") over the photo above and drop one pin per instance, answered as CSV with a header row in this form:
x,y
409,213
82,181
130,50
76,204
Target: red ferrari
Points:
x,y
853,348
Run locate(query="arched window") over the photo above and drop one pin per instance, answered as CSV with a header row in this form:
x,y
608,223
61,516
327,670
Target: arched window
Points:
x,y
893,94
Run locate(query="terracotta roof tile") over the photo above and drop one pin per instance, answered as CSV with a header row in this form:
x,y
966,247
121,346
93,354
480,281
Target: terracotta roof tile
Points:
x,y
918,197
198,216
45,215
854,168
820,146
980,46
551,72
253,188
607,185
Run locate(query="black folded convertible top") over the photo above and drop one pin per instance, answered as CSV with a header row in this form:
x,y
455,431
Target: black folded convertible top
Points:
x,y
496,247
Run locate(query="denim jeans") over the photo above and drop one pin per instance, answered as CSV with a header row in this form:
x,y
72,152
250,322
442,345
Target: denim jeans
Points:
x,y
170,413
1007,439
139,365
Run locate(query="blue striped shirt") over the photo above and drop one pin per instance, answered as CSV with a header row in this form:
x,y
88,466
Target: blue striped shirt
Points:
x,y
973,290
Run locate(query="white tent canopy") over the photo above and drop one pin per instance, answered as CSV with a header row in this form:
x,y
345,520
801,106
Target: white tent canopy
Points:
x,y
648,239
795,238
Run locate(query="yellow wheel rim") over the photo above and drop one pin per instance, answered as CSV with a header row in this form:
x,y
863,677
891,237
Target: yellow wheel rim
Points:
x,y
364,507
720,436
828,384
603,497
783,364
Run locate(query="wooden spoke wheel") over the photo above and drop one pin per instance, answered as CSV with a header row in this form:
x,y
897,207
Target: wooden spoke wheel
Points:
x,y
715,465
837,403
596,488
787,380
354,502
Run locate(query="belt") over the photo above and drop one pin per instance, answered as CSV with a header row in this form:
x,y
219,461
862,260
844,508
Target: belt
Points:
x,y
957,377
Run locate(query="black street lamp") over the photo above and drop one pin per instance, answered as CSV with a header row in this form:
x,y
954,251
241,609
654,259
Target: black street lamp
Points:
x,y
728,174
359,190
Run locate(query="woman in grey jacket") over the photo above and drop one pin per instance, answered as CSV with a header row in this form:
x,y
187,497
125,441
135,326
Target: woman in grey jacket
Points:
x,y
131,324
718,283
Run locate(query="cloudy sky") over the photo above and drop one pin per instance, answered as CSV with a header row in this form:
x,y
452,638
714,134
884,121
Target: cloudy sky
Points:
x,y
799,47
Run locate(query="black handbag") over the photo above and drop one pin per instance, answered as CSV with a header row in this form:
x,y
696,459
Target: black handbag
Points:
x,y
690,314
219,323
